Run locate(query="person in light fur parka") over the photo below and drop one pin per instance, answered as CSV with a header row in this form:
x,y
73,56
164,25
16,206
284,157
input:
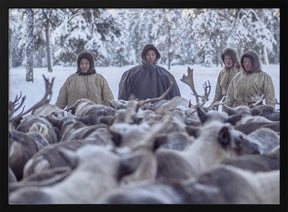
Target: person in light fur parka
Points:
x,y
232,66
85,83
250,84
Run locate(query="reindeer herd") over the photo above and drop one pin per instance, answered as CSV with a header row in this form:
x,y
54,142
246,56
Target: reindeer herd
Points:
x,y
151,151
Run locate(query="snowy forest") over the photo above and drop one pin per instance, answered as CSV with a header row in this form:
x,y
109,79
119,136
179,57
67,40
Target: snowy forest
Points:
x,y
41,37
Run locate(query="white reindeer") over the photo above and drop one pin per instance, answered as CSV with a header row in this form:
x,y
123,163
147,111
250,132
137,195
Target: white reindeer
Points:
x,y
98,170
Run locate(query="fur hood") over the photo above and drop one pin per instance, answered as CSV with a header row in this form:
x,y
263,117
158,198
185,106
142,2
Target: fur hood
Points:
x,y
255,61
150,47
89,57
234,56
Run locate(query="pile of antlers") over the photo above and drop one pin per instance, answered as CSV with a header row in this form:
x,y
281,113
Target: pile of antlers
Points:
x,y
19,100
189,80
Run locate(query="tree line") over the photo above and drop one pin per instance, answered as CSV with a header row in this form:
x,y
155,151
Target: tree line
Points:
x,y
41,37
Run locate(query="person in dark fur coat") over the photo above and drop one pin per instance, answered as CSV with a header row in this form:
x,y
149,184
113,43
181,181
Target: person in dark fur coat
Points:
x,y
232,66
147,80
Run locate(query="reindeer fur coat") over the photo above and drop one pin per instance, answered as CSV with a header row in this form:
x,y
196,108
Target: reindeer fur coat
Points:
x,y
226,75
247,87
90,85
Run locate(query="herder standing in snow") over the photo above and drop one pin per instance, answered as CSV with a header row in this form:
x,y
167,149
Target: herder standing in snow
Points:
x,y
250,84
147,80
232,67
85,83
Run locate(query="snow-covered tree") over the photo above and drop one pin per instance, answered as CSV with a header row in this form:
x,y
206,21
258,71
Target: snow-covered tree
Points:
x,y
271,20
117,36
47,19
131,22
16,26
91,30
123,53
29,44
105,40
209,30
169,36
251,32
70,36
140,25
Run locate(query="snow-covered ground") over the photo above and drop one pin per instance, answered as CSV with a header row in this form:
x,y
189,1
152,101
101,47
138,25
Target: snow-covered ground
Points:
x,y
34,91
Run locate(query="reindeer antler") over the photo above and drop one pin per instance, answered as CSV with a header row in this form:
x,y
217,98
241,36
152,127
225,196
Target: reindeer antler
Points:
x,y
12,105
189,80
207,90
44,100
257,102
276,102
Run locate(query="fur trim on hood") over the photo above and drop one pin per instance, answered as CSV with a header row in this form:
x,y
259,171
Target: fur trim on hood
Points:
x,y
254,59
234,56
150,47
89,57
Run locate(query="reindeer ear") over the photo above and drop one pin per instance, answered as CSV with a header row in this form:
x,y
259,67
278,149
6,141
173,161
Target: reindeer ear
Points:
x,y
72,108
88,120
55,122
233,119
229,110
128,165
116,138
162,139
108,120
255,111
193,131
201,114
224,137
69,156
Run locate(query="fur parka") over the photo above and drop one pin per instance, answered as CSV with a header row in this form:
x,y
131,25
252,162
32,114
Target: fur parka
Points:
x,y
90,85
247,87
226,75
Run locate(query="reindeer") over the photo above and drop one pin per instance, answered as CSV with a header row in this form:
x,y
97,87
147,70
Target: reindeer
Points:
x,y
90,113
47,177
266,139
257,163
41,125
15,105
23,145
32,123
49,110
266,111
51,156
251,120
220,185
153,157
247,115
65,126
216,142
97,170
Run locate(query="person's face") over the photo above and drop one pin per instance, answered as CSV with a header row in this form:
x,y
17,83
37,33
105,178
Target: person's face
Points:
x,y
84,65
228,61
247,63
150,57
